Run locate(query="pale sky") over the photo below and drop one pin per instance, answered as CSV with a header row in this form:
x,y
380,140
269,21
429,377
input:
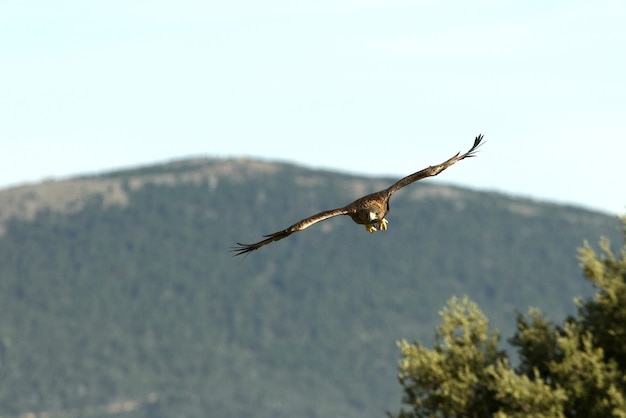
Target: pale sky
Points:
x,y
361,86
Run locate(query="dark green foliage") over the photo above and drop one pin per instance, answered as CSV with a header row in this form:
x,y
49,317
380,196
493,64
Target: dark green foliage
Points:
x,y
144,304
573,370
453,375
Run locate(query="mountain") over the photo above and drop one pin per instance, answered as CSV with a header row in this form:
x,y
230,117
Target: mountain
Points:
x,y
120,297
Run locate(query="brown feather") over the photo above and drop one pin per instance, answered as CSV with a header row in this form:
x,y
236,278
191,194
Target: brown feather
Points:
x,y
435,169
299,226
369,210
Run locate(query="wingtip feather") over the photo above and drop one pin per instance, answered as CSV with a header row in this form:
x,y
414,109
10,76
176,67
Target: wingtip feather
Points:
x,y
477,142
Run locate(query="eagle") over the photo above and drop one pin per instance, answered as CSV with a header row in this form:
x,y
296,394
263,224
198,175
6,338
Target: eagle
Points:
x,y
369,210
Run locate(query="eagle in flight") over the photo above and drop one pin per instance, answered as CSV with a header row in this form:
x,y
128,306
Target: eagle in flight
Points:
x,y
369,210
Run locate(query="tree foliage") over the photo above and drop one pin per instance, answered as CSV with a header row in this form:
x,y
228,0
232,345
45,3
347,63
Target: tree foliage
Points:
x,y
570,370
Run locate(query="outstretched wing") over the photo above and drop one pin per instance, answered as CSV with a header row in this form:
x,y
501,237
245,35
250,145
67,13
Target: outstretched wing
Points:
x,y
299,226
433,170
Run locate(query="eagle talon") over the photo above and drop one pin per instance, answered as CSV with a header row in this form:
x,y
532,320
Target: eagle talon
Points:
x,y
370,228
382,225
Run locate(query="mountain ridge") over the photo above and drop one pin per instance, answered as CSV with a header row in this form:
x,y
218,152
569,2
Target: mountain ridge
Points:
x,y
69,195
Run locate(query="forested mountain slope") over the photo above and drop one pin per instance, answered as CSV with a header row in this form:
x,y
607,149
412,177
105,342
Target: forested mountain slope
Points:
x,y
120,297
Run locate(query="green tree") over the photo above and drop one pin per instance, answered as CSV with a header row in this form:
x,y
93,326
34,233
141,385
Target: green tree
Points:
x,y
570,370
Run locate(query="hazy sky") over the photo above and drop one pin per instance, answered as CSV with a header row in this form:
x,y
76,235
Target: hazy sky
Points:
x,y
370,87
